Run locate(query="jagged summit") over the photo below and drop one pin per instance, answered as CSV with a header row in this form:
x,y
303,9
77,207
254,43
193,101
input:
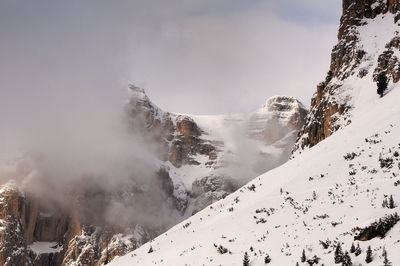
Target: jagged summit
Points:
x,y
137,93
282,103
286,108
280,118
277,103
139,99
136,89
217,151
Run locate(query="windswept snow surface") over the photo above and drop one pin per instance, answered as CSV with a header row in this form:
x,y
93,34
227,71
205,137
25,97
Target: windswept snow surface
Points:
x,y
279,214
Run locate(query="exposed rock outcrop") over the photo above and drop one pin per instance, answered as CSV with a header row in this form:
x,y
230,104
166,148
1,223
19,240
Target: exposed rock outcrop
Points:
x,y
211,189
199,150
331,104
389,60
36,232
21,225
176,138
12,213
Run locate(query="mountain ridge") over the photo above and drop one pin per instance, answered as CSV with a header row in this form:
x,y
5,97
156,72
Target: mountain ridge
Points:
x,y
182,168
295,206
201,147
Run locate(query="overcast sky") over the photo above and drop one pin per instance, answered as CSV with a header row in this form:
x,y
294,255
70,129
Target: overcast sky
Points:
x,y
191,56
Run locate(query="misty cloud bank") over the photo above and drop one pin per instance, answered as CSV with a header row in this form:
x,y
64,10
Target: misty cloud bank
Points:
x,y
234,54
91,157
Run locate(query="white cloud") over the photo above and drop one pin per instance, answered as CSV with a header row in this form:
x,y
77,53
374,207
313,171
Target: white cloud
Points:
x,y
192,56
233,61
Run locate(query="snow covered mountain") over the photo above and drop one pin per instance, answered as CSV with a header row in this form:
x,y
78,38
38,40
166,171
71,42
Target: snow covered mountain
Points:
x,y
328,196
183,164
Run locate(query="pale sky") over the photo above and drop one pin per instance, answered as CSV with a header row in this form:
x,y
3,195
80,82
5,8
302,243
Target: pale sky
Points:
x,y
191,56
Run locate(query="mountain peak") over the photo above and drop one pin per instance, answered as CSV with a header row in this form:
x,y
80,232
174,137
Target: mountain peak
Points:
x,y
282,103
139,101
137,92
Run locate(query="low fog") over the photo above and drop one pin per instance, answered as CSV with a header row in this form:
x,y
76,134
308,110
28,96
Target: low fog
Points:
x,y
62,151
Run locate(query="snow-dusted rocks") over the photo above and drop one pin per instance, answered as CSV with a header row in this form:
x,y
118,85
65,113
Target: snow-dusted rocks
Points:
x,y
200,149
200,159
367,45
21,222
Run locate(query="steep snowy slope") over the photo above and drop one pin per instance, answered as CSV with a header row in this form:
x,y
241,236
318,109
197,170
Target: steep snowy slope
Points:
x,y
328,193
246,146
322,195
368,45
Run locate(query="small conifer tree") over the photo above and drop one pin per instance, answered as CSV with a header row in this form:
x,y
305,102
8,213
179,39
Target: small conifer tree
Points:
x,y
368,258
391,202
246,260
346,260
385,203
358,250
338,254
303,256
352,248
150,250
382,83
386,261
267,259
314,195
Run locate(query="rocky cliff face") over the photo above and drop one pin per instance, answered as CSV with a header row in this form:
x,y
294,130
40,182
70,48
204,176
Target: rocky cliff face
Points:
x,y
216,154
201,159
199,162
22,224
31,234
353,57
175,138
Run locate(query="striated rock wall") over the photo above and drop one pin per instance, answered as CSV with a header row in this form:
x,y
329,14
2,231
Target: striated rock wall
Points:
x,y
176,138
329,108
12,214
21,225
204,145
69,238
